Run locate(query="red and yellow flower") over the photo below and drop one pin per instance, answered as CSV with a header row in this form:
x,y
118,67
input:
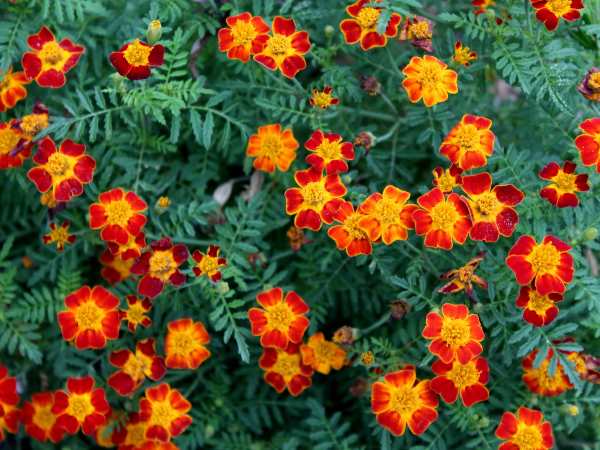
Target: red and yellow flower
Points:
x,y
50,60
429,79
281,321
527,430
132,435
548,265
447,179
442,219
81,406
323,99
538,310
362,27
135,367
118,214
91,319
135,59
185,344
12,89
587,143
32,124
492,209
565,184
470,142
467,379
549,12
209,263
59,235
400,400
10,414
463,55
114,268
245,35
316,198
481,6
135,314
284,369
455,334
462,279
540,380
111,433
328,152
15,147
272,148
39,420
285,48
160,266
419,30
131,250
322,355
165,411
349,236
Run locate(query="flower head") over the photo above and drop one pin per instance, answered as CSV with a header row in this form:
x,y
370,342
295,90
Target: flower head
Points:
x,y
590,85
469,143
39,420
481,6
350,236
465,379
419,31
280,320
135,314
32,124
12,88
135,367
15,146
323,99
587,143
185,344
284,369
10,414
50,60
164,410
329,152
549,12
538,310
362,27
544,380
209,263
135,59
131,250
114,268
527,430
564,184
463,55
91,319
322,355
245,35
429,79
272,148
296,238
463,278
447,179
59,235
132,435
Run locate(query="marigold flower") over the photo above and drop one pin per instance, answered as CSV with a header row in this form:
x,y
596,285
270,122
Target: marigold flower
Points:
x,y
565,184
112,432
419,31
165,411
463,278
481,6
284,369
131,250
59,235
50,60
135,367
135,59
285,48
92,317
447,179
443,219
157,445
209,263
549,264
538,310
10,414
590,85
467,379
15,147
12,89
162,204
549,12
118,214
349,236
455,334
245,35
362,27
185,344
526,430
133,434
272,148
540,380
346,335
81,406
135,314
316,198
587,143
470,142
367,358
329,152
322,355
492,210
296,238
397,402
323,99
114,268
365,139
281,321
32,124
39,420
429,79
370,85
463,55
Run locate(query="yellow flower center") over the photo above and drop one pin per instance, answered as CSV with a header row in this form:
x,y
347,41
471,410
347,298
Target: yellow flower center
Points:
x,y
162,414
243,33
181,343
164,202
352,227
594,81
321,99
280,317
137,54
287,365
420,30
446,182
271,146
314,194
209,264
52,54
528,437
136,434
387,211
80,406
118,213
404,401
59,235
443,216
279,45
324,350
430,75
565,181
58,165
467,137
136,313
455,332
136,366
544,258
89,316
44,418
8,141
466,273
330,151
367,18
559,7
463,375
487,204
32,124
162,264
539,303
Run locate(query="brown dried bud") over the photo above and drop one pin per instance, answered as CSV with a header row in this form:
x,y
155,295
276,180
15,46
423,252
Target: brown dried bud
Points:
x,y
296,238
370,85
359,387
399,309
365,139
346,335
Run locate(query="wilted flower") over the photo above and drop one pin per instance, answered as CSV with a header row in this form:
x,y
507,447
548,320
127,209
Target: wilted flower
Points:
x,y
365,139
399,309
419,31
370,85
462,279
590,85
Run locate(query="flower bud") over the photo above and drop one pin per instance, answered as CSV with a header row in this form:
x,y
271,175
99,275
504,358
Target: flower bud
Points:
x,y
346,335
222,287
370,85
162,204
590,234
367,358
154,31
364,139
399,309
328,30
27,262
570,409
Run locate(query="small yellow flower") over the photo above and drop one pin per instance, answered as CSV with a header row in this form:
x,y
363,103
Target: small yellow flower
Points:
x,y
367,358
463,55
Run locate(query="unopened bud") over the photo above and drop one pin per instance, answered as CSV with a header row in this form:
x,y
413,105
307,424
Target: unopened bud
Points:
x,y
399,309
370,85
328,30
27,262
367,358
365,139
162,204
571,410
346,335
154,32
222,287
590,234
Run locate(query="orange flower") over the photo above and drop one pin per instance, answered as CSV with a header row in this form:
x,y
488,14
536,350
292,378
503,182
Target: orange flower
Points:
x,y
322,355
549,12
548,264
39,420
492,210
587,143
397,402
455,334
315,200
91,317
32,124
323,99
565,184
135,367
349,235
447,179
443,219
281,321
429,79
463,55
463,278
538,310
272,148
12,89
160,266
468,380
419,31
15,146
245,35
135,59
387,215
165,411
118,214
527,430
131,250
10,415
284,369
81,406
469,143
329,152
114,269
50,60
362,27
209,263
60,235
285,48
133,435
135,314
547,380
481,6
185,344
